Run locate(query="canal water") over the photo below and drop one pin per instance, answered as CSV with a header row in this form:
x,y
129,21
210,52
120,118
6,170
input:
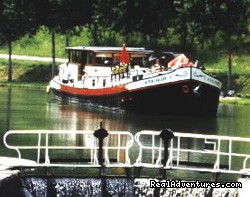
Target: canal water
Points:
x,y
34,109
26,109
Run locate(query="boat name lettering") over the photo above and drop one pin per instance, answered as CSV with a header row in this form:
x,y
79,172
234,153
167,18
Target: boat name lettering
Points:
x,y
159,79
207,78
199,75
184,74
214,81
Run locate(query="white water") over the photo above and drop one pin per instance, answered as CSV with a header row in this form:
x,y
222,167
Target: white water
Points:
x,y
115,187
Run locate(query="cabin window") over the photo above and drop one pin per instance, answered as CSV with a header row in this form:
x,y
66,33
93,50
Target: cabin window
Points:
x,y
116,58
140,60
93,83
89,57
104,59
77,56
107,55
104,82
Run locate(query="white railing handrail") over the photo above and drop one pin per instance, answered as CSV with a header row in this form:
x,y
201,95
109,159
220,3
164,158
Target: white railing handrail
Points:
x,y
196,135
123,141
175,148
93,148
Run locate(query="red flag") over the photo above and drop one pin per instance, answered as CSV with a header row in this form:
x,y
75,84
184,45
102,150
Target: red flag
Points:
x,y
124,59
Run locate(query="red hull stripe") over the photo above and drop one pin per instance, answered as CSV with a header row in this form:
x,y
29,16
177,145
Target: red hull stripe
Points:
x,y
93,92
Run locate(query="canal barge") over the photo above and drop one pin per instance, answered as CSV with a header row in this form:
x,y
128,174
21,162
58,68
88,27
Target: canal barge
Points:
x,y
129,78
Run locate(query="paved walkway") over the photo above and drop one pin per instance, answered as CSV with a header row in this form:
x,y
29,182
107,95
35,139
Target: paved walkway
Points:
x,y
33,58
7,173
6,163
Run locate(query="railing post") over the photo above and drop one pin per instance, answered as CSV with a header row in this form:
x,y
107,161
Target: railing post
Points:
x,y
47,160
38,147
101,134
166,135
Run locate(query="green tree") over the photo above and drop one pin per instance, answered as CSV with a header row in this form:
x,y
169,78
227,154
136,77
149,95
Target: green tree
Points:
x,y
235,14
228,17
205,19
17,19
148,19
61,16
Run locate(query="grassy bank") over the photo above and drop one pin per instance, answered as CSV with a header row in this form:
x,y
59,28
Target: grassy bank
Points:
x,y
33,85
235,100
25,74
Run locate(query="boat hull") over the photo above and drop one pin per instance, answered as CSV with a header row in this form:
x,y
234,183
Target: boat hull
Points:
x,y
187,97
176,99
105,98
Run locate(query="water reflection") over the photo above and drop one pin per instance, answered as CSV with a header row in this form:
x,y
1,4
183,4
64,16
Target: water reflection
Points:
x,y
34,109
80,117
66,115
8,108
234,120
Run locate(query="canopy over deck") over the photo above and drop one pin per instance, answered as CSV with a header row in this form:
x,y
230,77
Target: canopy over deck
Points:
x,y
109,49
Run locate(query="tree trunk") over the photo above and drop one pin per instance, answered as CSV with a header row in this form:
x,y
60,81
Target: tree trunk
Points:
x,y
184,38
53,52
229,73
95,34
183,31
10,61
67,38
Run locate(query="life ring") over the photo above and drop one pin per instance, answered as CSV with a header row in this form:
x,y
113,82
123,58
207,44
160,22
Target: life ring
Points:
x,y
185,89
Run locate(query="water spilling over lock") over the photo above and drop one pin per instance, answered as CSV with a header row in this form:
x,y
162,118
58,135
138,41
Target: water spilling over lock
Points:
x,y
78,187
115,187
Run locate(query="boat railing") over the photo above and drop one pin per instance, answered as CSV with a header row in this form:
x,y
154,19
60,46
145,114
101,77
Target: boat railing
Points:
x,y
75,148
194,152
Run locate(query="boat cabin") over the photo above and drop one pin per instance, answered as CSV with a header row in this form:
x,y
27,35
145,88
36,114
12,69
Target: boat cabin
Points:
x,y
98,66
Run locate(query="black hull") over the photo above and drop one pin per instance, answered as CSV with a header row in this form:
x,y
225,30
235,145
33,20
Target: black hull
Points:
x,y
170,99
177,99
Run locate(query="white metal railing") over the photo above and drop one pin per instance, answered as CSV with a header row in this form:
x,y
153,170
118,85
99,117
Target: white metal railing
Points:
x,y
186,151
219,153
115,147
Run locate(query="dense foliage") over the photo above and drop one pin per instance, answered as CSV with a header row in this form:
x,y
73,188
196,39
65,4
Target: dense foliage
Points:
x,y
186,25
193,22
153,22
17,19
